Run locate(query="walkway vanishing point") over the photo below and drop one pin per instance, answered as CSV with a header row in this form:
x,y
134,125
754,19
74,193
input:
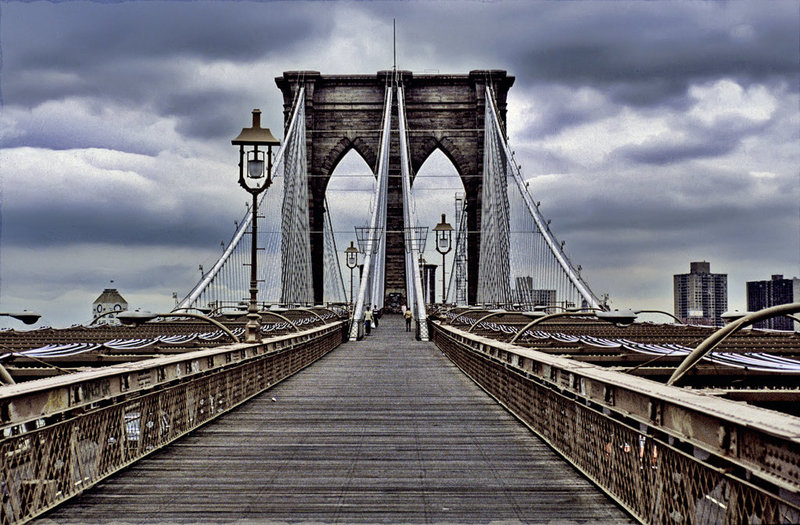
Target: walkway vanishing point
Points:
x,y
385,430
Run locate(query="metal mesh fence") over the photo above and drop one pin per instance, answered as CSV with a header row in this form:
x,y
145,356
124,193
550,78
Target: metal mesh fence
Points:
x,y
647,472
49,460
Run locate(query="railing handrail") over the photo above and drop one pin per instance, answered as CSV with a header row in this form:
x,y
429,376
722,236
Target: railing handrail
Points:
x,y
653,403
43,397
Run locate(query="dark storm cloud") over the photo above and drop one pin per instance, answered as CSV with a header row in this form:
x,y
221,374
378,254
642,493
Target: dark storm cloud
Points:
x,y
641,70
558,106
643,53
664,154
172,82
156,276
112,223
203,114
141,54
696,141
88,36
656,218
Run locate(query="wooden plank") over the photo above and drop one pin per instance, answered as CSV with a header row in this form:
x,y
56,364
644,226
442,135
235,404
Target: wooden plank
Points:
x,y
381,430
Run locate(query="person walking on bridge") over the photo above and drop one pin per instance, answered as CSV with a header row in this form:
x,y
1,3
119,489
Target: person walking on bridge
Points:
x,y
408,316
368,318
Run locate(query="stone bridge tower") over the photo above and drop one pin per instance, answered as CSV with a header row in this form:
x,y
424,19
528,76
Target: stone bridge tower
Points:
x,y
344,112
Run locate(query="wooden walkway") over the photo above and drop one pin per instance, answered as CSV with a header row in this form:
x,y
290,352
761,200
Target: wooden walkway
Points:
x,y
384,430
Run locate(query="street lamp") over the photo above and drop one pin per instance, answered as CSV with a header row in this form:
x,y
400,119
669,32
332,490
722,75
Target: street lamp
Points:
x,y
254,181
619,318
27,318
444,243
351,254
24,316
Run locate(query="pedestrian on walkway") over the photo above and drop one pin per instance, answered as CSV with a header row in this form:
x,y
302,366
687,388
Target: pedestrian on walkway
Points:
x,y
368,318
408,316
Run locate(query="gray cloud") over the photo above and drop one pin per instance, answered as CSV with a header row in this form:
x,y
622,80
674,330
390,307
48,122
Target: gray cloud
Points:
x,y
654,133
90,36
112,224
663,153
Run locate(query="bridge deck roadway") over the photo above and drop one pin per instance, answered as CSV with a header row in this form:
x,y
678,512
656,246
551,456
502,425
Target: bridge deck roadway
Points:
x,y
383,430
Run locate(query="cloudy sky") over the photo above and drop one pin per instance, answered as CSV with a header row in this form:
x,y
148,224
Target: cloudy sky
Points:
x,y
653,133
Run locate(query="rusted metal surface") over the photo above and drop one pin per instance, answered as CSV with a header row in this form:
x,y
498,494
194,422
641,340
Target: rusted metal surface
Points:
x,y
665,453
62,435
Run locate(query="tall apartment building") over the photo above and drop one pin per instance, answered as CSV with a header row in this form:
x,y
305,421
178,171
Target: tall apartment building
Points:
x,y
525,293
701,296
763,294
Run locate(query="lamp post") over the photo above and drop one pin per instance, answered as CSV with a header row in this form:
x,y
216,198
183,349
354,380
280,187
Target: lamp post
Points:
x,y
444,243
253,180
351,254
27,318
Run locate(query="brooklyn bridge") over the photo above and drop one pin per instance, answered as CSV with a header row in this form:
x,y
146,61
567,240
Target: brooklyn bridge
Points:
x,y
275,392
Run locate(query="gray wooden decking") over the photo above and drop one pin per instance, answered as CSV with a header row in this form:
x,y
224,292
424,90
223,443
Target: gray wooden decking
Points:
x,y
383,430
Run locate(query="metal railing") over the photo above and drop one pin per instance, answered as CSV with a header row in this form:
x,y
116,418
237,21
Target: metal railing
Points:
x,y
665,454
62,435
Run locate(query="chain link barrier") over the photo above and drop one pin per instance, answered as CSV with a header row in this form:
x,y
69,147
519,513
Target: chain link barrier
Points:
x,y
653,475
51,458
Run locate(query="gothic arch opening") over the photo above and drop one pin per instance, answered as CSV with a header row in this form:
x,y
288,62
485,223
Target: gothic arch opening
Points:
x,y
442,111
436,184
349,193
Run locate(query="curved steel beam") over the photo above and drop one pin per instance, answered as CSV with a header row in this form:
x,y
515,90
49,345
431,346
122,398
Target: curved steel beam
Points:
x,y
281,317
462,308
547,318
658,312
478,310
485,317
726,331
104,314
326,309
203,318
311,311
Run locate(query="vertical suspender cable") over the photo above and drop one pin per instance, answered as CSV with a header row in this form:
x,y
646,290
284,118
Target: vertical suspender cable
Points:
x,y
413,277
377,221
560,260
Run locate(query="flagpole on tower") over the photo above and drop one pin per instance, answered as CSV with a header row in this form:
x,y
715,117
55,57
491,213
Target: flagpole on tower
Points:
x,y
394,45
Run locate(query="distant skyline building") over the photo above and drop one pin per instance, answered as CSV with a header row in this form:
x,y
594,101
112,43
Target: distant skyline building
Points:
x,y
525,293
777,290
429,282
108,301
701,296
